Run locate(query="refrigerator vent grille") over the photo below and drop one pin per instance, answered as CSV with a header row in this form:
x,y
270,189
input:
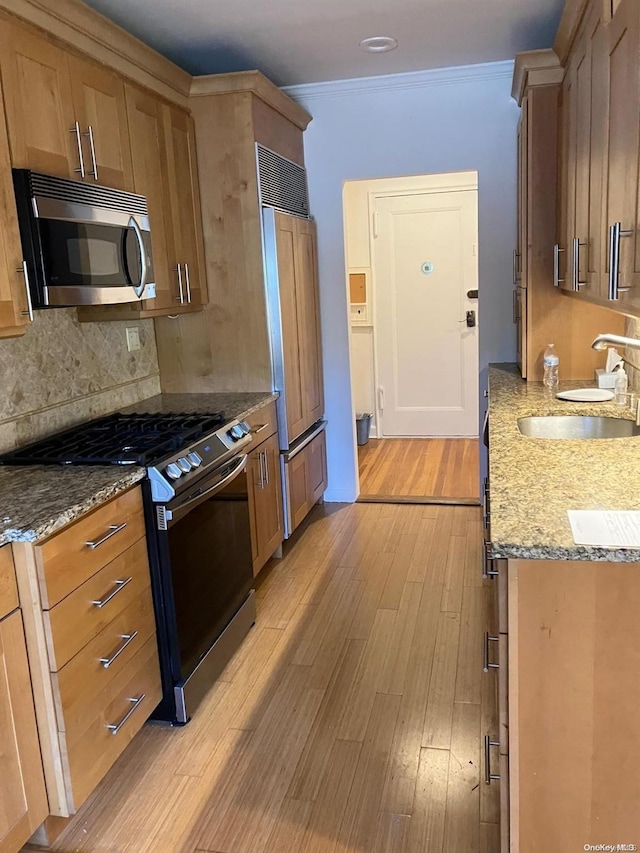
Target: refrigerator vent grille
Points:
x,y
282,183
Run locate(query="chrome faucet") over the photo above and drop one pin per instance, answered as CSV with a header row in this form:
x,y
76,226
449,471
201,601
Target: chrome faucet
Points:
x,y
606,340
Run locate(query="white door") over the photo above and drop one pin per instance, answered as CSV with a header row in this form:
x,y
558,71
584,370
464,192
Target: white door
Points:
x,y
424,262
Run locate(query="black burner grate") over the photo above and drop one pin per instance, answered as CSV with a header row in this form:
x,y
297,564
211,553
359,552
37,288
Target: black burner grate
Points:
x,y
118,439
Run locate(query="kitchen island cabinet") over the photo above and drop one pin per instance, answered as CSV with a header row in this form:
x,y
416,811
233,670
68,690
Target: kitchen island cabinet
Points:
x,y
567,633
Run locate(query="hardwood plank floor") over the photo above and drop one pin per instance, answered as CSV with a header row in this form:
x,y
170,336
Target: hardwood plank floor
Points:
x,y
439,469
350,719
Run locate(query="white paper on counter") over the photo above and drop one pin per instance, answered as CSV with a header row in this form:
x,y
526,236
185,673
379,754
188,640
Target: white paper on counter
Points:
x,y
604,528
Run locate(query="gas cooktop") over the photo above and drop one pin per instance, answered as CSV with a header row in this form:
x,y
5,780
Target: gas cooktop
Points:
x,y
118,439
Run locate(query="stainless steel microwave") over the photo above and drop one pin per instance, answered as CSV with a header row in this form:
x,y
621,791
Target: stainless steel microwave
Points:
x,y
83,244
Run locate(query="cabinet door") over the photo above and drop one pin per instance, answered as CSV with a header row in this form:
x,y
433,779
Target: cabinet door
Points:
x,y
23,799
519,264
291,333
567,176
307,479
317,468
101,111
308,305
39,106
14,314
624,145
266,501
186,217
146,130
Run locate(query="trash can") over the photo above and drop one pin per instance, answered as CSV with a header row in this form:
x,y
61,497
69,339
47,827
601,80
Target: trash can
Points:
x,y
363,428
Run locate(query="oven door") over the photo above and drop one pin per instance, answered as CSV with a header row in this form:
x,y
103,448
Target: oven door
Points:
x,y
205,565
100,262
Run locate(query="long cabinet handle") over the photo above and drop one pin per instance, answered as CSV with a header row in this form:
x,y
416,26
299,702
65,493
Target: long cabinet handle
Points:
x,y
114,728
487,563
119,586
486,663
113,529
76,131
266,467
516,265
25,272
615,233
576,284
486,513
489,777
557,281
128,639
180,298
515,305
261,467
92,147
187,282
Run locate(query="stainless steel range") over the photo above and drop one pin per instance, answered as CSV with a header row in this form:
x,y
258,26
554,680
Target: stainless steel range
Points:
x,y
197,520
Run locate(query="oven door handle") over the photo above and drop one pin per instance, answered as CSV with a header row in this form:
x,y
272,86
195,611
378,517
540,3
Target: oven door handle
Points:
x,y
144,261
238,469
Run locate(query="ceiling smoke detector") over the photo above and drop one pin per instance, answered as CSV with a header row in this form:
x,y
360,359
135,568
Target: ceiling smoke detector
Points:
x,y
379,44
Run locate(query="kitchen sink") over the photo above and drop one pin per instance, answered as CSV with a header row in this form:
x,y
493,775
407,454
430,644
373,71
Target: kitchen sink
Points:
x,y
577,426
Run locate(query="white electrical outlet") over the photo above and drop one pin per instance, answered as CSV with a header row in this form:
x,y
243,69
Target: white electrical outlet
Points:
x,y
133,339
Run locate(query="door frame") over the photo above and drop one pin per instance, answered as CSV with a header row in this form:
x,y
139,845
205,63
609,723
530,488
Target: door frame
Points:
x,y
378,188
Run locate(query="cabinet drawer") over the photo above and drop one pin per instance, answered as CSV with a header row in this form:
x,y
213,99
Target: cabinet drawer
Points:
x,y
79,686
306,479
91,752
68,558
8,588
76,620
263,423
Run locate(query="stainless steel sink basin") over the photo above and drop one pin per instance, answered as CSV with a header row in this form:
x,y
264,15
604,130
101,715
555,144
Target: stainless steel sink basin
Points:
x,y
577,426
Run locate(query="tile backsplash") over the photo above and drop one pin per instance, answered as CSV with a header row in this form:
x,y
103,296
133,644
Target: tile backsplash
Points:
x,y
62,372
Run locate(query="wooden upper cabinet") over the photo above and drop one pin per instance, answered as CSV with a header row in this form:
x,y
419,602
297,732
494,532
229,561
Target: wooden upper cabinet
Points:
x,y
101,112
23,798
308,303
146,129
623,146
39,102
14,309
567,177
186,216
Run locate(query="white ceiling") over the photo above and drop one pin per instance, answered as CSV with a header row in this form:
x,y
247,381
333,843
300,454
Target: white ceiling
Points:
x,y
307,41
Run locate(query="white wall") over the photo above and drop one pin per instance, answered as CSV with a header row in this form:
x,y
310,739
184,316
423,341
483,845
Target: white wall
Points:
x,y
409,124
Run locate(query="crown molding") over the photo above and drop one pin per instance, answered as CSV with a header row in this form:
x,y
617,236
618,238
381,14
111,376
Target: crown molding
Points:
x,y
257,84
90,32
535,68
408,80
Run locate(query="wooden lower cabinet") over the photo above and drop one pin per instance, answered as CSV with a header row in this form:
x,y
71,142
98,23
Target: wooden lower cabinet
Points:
x,y
570,776
265,498
23,797
306,476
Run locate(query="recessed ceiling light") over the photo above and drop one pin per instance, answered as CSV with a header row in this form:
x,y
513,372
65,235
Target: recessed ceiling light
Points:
x,y
379,44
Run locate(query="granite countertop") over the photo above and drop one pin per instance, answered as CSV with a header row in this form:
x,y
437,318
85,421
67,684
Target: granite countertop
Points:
x,y
234,405
535,481
35,501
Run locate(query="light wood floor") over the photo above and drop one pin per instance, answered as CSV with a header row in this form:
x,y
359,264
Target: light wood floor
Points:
x,y
351,718
419,467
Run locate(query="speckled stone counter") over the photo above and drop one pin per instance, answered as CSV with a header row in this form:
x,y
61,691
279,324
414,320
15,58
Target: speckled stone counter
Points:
x,y
36,501
535,481
234,405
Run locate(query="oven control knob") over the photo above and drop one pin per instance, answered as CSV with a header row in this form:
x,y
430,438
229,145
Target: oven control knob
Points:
x,y
195,459
173,471
244,426
236,433
184,464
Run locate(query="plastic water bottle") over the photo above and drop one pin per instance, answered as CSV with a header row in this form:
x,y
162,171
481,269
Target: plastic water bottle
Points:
x,y
551,364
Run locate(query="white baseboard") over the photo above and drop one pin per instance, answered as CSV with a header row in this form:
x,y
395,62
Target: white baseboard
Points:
x,y
340,496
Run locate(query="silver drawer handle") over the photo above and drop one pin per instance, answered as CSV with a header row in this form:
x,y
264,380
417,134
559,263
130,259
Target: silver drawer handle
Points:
x,y
187,282
487,561
92,146
114,728
489,777
557,281
76,131
113,529
259,429
487,665
120,585
128,638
